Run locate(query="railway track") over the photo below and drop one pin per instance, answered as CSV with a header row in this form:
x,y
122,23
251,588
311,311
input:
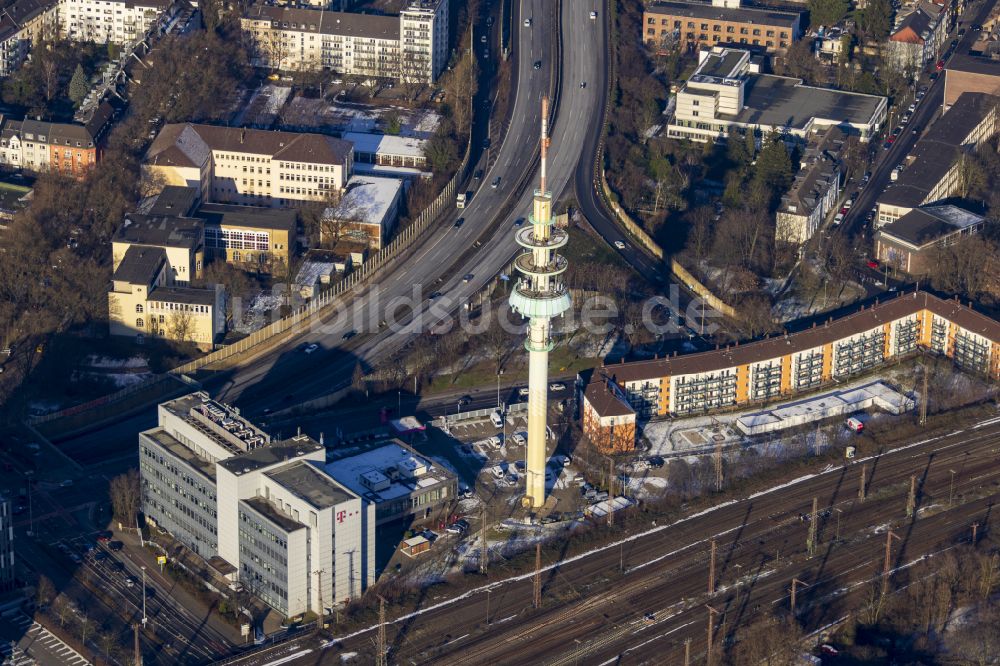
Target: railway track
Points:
x,y
603,595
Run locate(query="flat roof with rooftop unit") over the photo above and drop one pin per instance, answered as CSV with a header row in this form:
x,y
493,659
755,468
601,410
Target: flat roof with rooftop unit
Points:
x,y
399,480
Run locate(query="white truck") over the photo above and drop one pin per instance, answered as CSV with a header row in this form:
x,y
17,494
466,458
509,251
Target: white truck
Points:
x,y
460,200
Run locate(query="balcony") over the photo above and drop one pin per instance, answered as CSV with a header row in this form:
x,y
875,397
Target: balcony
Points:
x,y
526,238
525,264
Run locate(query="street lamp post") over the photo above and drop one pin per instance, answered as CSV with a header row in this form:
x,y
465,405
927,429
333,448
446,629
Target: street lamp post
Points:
x,y
144,596
31,515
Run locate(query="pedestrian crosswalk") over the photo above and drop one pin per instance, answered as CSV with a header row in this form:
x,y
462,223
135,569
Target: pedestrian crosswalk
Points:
x,y
39,645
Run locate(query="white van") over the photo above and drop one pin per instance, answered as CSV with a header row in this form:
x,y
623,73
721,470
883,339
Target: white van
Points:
x,y
520,438
496,419
856,424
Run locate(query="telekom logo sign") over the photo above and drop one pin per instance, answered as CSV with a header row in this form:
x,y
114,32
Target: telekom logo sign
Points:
x,y
341,515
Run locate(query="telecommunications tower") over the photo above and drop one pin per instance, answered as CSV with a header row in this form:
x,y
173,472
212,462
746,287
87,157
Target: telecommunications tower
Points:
x,y
540,296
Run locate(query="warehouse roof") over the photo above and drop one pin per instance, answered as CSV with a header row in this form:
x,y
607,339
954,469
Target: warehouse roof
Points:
x,y
777,101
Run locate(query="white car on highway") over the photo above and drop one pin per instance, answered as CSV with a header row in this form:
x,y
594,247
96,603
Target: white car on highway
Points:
x,y
523,391
593,16
620,245
311,348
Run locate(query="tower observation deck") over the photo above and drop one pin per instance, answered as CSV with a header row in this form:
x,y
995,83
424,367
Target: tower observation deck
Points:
x,y
540,296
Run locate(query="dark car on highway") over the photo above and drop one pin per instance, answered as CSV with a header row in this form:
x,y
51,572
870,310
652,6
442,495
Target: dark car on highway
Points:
x,y
115,546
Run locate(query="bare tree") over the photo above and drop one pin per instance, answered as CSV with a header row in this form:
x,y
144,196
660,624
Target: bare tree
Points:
x,y
181,326
126,494
86,627
45,592
63,610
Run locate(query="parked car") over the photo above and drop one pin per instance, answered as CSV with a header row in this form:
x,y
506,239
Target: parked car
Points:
x,y
939,66
538,64
520,438
115,546
656,462
467,277
455,528
557,386
593,16
838,218
309,349
350,334
527,23
105,536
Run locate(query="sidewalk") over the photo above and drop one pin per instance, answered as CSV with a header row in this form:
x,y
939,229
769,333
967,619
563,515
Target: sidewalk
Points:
x,y
196,607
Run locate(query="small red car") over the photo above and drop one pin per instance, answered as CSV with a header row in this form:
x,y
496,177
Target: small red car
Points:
x,y
940,65
843,211
872,263
891,140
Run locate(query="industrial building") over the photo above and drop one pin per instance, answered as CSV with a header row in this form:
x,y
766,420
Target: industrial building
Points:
x,y
790,364
267,510
727,92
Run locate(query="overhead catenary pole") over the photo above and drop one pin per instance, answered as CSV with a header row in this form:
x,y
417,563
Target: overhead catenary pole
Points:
x,y
711,570
380,656
889,536
484,557
975,529
687,652
923,401
718,466
795,582
813,519
862,487
911,498
138,649
709,657
537,583
951,488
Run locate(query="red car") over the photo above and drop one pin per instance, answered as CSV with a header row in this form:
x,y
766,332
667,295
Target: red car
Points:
x,y
939,65
105,536
872,263
843,211
890,140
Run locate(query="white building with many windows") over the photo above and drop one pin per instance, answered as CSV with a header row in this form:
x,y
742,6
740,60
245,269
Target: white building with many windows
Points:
x,y
109,21
249,166
411,47
293,535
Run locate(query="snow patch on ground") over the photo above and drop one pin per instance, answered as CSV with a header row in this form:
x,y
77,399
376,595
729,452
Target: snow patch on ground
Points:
x,y
348,656
255,316
133,362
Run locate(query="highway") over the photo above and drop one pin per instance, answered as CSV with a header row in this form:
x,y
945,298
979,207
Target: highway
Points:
x,y
287,377
597,601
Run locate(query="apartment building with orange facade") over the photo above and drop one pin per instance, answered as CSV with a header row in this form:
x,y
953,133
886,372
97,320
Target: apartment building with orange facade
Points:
x,y
689,25
778,367
70,149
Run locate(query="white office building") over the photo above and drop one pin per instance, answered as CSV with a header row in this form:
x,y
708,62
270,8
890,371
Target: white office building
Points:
x,y
294,536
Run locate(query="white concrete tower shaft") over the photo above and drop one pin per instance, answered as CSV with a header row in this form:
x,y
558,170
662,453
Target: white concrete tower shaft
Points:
x,y
540,296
